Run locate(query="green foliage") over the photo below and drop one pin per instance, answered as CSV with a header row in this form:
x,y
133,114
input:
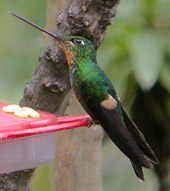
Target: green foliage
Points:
x,y
146,52
20,46
41,180
138,45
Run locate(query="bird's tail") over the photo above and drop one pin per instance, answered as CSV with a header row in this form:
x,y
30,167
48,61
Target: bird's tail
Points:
x,y
138,171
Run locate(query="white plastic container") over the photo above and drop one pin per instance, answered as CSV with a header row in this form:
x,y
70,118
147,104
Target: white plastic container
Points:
x,y
25,142
28,152
28,142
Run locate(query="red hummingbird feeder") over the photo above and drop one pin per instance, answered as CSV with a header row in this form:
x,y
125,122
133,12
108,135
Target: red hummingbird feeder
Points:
x,y
27,136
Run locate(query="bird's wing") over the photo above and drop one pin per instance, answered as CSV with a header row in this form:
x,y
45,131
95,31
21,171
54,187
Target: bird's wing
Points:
x,y
130,141
109,118
139,138
125,138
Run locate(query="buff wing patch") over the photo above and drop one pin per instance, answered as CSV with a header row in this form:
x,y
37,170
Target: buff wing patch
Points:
x,y
109,103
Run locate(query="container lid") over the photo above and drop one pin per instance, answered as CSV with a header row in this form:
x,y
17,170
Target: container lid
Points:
x,y
14,126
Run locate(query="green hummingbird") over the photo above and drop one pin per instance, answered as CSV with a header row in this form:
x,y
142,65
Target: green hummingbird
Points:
x,y
98,97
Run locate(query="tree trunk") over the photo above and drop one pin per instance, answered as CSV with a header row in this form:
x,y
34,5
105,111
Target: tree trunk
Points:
x,y
78,151
77,166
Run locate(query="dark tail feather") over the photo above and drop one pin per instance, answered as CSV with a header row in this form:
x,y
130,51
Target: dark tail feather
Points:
x,y
139,138
138,171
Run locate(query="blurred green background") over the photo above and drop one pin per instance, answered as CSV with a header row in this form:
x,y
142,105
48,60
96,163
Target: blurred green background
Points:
x,y
135,51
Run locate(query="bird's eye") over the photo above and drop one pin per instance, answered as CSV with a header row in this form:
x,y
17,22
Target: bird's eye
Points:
x,y
79,42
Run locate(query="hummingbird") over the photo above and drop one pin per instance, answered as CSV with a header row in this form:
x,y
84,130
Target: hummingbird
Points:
x,y
98,97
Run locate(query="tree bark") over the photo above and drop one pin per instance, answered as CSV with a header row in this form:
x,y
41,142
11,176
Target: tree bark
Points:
x,y
78,152
77,166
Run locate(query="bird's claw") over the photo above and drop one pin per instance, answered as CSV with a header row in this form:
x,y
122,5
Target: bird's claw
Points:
x,y
91,122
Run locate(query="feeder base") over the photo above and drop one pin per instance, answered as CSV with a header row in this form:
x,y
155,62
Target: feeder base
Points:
x,y
28,152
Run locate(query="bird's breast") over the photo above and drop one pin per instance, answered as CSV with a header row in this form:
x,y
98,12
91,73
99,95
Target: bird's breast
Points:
x,y
88,88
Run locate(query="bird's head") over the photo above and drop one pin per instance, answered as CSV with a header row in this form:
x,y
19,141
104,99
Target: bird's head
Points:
x,y
75,48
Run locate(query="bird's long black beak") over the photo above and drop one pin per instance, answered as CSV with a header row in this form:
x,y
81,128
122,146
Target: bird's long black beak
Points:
x,y
38,27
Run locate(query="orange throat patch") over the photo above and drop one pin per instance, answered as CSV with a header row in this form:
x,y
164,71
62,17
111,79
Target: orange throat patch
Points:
x,y
68,55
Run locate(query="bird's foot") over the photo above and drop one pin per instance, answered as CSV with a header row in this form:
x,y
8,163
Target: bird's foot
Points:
x,y
91,122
